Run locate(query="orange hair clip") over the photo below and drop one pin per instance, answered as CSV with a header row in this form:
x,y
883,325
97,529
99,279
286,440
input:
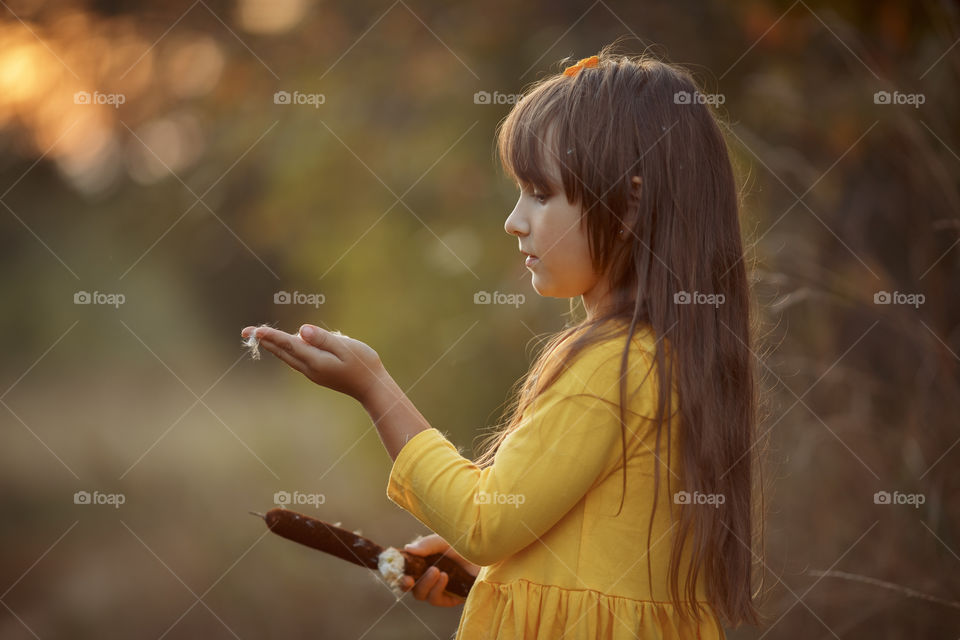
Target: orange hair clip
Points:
x,y
574,69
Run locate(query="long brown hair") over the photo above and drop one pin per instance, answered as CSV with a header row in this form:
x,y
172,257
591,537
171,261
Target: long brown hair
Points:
x,y
639,116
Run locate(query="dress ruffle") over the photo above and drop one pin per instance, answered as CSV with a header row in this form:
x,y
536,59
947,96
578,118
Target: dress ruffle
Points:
x,y
525,610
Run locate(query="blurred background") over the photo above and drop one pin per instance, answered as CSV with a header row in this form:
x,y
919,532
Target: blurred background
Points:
x,y
171,172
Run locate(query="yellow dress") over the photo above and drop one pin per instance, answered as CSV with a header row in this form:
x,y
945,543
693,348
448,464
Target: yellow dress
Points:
x,y
556,560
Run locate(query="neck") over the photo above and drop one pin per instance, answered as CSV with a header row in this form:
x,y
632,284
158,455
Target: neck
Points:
x,y
594,300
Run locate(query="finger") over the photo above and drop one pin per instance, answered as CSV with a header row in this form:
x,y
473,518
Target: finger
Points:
x,y
426,546
421,590
292,344
294,362
322,339
416,549
259,331
296,346
269,333
436,591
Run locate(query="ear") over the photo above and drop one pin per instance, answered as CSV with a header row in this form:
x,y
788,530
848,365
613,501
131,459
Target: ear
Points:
x,y
636,183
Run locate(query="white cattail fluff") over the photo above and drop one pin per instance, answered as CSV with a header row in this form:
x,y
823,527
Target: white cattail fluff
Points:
x,y
253,344
391,564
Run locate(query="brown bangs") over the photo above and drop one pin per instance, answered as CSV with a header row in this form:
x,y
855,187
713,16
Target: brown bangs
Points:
x,y
525,136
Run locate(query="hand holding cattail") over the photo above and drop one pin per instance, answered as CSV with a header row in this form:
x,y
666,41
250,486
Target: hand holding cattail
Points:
x,y
431,586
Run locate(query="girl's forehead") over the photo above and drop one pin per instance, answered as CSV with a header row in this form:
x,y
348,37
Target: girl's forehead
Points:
x,y
535,159
550,155
548,163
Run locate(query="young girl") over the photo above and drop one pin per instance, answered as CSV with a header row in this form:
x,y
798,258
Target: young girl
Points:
x,y
617,501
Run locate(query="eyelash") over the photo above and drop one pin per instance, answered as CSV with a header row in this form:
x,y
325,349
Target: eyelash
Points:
x,y
537,196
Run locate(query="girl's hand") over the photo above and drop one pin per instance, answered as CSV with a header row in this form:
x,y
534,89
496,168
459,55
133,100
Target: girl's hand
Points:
x,y
431,585
328,358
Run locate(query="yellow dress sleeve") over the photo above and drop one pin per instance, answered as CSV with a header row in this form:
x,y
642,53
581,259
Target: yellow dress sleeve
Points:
x,y
567,438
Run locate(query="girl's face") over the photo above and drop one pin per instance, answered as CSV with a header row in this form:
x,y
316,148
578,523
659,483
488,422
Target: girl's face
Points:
x,y
549,228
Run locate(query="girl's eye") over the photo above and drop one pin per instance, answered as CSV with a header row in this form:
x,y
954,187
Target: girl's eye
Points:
x,y
541,198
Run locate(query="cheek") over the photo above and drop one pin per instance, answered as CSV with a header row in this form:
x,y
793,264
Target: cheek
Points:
x,y
576,252
567,269
580,272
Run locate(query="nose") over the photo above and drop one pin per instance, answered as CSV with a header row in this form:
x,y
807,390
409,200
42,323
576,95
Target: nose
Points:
x,y
515,225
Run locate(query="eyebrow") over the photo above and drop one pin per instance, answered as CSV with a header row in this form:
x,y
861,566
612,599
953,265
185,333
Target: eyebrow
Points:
x,y
550,185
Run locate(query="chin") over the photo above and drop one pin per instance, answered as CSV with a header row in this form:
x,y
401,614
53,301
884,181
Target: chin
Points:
x,y
542,289
550,286
546,291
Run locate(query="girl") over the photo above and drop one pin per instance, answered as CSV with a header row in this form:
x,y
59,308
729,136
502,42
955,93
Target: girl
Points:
x,y
617,501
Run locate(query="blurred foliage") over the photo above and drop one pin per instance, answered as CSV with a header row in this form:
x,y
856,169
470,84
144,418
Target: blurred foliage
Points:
x,y
199,198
